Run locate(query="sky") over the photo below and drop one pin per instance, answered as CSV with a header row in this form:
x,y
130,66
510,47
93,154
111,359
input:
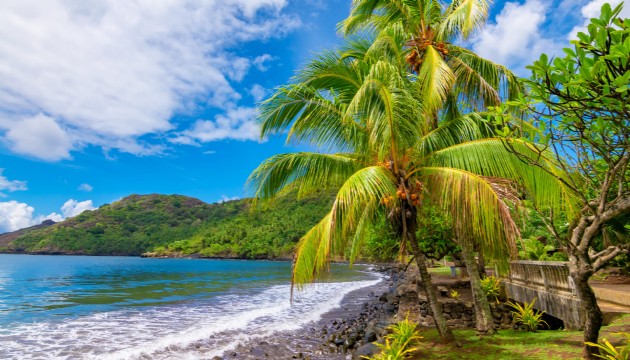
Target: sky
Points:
x,y
102,99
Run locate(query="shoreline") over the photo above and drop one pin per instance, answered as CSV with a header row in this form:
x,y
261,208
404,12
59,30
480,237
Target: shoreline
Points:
x,y
344,332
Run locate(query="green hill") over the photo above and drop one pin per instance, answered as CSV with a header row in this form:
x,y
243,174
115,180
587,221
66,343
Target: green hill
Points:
x,y
175,225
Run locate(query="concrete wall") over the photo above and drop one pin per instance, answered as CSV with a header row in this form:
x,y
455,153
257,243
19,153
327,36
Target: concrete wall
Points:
x,y
565,308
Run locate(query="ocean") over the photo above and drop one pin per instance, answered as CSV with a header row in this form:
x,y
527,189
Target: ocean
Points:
x,y
81,307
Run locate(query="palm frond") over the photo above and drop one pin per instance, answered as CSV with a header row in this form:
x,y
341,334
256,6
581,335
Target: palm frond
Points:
x,y
378,14
491,157
313,253
392,115
435,79
465,128
476,209
355,204
463,16
481,82
308,171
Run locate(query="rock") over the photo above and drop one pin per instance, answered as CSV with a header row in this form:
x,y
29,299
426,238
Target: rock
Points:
x,y
370,334
393,299
443,290
390,309
350,340
339,341
366,350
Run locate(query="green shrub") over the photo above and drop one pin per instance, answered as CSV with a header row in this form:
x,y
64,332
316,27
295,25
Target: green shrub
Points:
x,y
534,249
454,294
399,343
491,286
527,316
608,351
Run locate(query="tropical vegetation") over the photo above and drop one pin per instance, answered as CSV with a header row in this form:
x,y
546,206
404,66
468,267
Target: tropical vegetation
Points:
x,y
174,225
394,139
580,109
527,316
400,342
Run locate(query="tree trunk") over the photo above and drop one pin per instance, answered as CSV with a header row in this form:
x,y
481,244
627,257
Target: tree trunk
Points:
x,y
481,264
594,317
483,313
425,277
459,263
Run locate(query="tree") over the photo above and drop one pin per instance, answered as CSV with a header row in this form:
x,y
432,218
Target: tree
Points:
x,y
447,74
582,107
389,159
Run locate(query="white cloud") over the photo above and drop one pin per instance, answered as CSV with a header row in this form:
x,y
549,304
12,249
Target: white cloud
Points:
x,y
15,215
592,10
73,208
85,187
258,92
237,123
515,38
260,62
10,185
225,198
106,73
39,136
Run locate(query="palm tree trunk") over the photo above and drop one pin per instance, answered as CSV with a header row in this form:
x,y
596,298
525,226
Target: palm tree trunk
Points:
x,y
483,313
425,277
481,264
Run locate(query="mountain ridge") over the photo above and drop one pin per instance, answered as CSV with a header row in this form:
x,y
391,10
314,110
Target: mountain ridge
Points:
x,y
176,225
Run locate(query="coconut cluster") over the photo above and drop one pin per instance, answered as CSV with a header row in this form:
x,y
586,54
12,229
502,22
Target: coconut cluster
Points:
x,y
416,56
411,194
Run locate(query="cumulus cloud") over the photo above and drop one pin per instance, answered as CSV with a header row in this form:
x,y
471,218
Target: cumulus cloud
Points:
x,y
260,62
16,215
238,123
73,208
39,136
85,187
258,92
515,38
74,73
10,185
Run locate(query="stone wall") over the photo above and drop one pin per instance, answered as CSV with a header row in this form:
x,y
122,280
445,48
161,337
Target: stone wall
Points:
x,y
405,300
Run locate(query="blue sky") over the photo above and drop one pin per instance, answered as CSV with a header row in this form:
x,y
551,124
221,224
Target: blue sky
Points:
x,y
100,99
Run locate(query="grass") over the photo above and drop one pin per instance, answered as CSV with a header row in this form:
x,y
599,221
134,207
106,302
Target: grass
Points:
x,y
511,344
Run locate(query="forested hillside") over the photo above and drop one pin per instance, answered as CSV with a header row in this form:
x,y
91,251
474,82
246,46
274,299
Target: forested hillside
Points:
x,y
179,225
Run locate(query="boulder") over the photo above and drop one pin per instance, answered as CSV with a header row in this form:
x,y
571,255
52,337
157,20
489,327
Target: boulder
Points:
x,y
367,350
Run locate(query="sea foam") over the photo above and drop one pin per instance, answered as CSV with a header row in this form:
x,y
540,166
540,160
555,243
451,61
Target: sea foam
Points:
x,y
188,330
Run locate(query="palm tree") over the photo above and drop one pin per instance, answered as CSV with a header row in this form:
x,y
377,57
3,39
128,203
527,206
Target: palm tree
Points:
x,y
446,72
379,146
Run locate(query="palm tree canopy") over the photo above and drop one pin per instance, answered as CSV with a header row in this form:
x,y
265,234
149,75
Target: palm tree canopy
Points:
x,y
380,150
447,74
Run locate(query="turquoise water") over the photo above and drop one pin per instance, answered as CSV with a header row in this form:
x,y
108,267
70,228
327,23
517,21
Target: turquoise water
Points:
x,y
77,307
